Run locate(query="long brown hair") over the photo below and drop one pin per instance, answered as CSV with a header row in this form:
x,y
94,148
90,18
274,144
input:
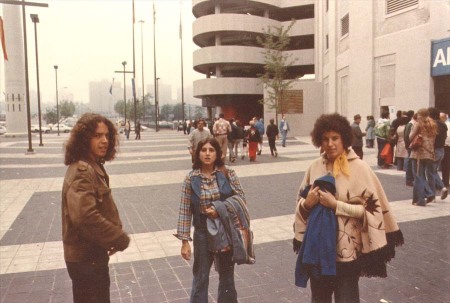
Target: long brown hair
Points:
x,y
218,163
426,124
78,145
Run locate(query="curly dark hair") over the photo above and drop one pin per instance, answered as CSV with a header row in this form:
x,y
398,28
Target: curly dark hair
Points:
x,y
78,145
332,122
218,163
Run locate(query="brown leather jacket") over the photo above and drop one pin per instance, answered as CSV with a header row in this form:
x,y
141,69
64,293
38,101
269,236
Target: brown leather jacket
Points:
x,y
90,221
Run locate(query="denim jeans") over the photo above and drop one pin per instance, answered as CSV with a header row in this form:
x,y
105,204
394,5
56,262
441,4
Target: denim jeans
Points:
x,y
90,281
438,156
283,137
203,259
408,168
422,190
345,289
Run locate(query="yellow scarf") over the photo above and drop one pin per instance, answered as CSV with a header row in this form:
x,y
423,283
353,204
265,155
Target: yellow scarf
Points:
x,y
341,165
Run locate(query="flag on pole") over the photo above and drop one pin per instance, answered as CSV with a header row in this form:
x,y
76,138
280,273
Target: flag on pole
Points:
x,y
110,89
2,38
134,19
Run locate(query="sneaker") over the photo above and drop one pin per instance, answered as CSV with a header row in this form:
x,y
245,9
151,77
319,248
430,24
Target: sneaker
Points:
x,y
444,193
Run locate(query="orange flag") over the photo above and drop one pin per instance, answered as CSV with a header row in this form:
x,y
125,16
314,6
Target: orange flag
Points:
x,y
2,38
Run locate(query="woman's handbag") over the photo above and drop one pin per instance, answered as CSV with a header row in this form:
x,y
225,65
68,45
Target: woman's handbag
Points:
x,y
416,142
386,154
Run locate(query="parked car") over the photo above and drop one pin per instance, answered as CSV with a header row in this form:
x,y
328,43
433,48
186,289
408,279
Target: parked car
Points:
x,y
44,129
2,130
62,128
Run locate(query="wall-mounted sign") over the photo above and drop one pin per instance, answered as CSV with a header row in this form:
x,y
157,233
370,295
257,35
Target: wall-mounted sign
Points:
x,y
292,102
440,57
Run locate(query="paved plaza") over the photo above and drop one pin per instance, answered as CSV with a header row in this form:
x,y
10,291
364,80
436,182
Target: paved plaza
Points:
x,y
146,181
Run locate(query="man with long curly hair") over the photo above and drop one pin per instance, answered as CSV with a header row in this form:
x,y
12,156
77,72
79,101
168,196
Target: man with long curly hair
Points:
x,y
91,226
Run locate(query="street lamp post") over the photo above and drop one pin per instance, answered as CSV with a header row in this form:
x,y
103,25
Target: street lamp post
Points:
x,y
57,103
142,62
35,19
125,92
157,101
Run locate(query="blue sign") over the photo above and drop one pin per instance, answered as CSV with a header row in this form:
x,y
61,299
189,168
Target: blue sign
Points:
x,y
440,57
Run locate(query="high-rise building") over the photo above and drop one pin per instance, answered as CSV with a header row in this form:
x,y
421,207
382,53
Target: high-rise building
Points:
x,y
231,58
15,94
104,94
366,56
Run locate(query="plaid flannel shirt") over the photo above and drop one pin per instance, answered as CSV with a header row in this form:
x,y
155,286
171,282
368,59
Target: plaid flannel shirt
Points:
x,y
210,193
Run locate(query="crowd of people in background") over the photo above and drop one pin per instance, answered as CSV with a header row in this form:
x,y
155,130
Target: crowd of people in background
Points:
x,y
237,140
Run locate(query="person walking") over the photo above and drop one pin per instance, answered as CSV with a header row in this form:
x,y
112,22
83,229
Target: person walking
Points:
x,y
284,129
253,139
445,164
91,226
231,137
439,145
344,227
137,130
221,128
382,129
370,132
272,135
207,182
358,135
401,153
199,134
239,138
423,158
409,176
259,124
127,129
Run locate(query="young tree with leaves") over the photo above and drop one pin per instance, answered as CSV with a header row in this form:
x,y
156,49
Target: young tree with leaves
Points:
x,y
276,79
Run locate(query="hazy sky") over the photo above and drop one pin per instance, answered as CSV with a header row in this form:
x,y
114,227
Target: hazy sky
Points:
x,y
89,40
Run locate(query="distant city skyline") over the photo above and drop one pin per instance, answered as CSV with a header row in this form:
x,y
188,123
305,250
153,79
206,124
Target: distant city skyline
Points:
x,y
89,43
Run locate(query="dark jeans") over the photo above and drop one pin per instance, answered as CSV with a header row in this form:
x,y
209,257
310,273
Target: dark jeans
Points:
x,y
345,289
272,146
380,143
445,165
408,168
90,281
203,259
359,151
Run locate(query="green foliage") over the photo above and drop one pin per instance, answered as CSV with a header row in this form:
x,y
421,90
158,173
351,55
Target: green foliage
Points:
x,y
276,62
51,116
66,109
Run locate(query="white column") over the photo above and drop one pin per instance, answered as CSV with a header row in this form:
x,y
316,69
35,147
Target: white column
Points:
x,y
16,109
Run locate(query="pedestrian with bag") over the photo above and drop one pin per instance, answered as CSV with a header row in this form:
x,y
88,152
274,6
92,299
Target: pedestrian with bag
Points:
x,y
207,182
423,135
382,129
344,227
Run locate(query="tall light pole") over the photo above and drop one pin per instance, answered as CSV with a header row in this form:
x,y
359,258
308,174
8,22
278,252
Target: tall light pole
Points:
x,y
35,19
125,92
157,100
182,77
124,63
142,61
154,68
57,104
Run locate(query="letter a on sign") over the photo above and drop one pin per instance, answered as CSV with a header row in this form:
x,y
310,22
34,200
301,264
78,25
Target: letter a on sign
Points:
x,y
440,57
